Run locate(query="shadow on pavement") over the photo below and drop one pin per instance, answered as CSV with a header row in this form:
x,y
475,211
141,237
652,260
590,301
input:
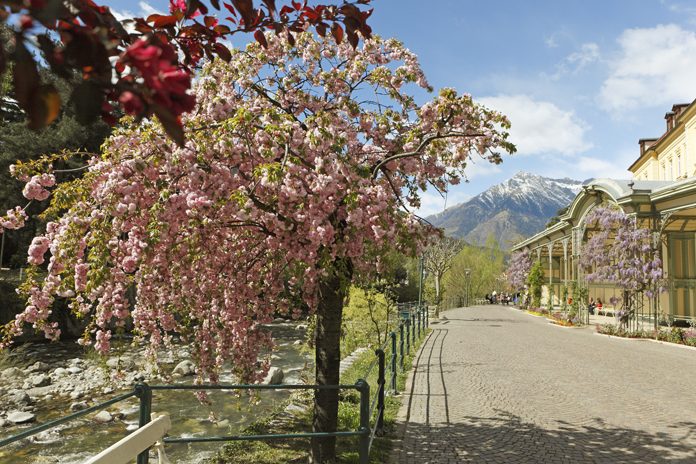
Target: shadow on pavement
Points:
x,y
507,439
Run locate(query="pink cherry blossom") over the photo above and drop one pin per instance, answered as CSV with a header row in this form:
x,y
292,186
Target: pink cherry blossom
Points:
x,y
297,158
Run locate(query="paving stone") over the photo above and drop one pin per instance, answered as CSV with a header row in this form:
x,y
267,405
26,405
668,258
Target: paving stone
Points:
x,y
494,385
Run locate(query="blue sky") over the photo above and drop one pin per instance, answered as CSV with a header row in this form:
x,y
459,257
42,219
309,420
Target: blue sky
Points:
x,y
580,81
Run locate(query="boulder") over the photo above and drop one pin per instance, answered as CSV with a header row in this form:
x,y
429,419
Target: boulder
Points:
x,y
117,362
297,342
11,373
301,327
74,369
18,397
38,392
60,372
39,380
274,377
103,417
39,366
21,417
185,368
78,406
132,427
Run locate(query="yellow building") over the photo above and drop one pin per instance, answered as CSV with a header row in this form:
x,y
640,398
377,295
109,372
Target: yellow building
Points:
x,y
662,197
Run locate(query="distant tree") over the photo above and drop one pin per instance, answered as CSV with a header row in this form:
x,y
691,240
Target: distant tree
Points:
x,y
485,264
19,143
437,260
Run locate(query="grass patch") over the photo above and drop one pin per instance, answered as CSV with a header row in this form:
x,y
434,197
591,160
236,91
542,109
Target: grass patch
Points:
x,y
293,451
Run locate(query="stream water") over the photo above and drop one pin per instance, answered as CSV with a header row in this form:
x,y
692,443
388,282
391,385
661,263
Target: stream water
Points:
x,y
82,438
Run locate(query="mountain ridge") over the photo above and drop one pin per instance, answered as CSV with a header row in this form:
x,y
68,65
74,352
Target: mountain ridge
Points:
x,y
511,210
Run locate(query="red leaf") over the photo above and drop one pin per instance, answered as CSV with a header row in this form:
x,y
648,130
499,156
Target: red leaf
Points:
x,y
210,21
297,5
221,29
270,4
159,20
223,52
230,8
321,29
311,14
171,123
26,77
258,35
246,10
285,10
337,32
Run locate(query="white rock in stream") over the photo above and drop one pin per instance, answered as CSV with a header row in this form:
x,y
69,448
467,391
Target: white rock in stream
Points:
x,y
297,342
39,380
60,372
274,377
185,368
39,366
10,373
132,427
20,417
78,406
74,370
103,417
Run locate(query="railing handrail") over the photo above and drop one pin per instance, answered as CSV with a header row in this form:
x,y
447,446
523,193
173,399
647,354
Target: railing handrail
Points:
x,y
144,392
130,446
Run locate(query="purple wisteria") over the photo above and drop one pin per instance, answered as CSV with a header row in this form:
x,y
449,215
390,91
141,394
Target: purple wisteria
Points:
x,y
518,270
621,253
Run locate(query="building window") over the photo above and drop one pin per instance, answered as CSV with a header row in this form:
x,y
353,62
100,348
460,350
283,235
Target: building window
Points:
x,y
679,171
671,170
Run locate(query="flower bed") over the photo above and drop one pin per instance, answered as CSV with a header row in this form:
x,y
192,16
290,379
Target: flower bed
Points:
x,y
672,335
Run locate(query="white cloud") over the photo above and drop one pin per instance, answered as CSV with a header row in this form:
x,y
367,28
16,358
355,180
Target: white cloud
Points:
x,y
576,61
551,42
540,127
434,203
655,68
145,10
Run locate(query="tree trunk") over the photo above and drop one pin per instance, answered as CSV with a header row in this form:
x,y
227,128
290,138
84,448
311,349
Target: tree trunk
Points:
x,y
327,340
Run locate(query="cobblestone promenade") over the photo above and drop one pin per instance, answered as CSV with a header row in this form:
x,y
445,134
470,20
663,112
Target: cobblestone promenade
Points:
x,y
495,385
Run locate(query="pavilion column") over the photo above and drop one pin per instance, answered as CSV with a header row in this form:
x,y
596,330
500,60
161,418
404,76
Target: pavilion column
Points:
x,y
550,249
565,260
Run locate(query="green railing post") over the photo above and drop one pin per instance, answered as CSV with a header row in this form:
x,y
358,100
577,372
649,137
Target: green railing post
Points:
x,y
427,316
408,335
401,343
393,362
418,317
364,389
413,331
143,391
381,384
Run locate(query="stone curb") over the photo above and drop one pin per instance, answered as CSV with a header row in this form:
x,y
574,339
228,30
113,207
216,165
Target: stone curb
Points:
x,y
565,326
676,345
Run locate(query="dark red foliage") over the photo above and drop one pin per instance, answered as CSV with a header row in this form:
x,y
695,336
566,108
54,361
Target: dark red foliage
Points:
x,y
147,76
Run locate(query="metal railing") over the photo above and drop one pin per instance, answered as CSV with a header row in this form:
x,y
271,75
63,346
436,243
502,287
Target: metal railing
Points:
x,y
409,330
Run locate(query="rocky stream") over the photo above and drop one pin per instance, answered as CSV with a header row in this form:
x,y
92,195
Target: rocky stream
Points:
x,y
53,380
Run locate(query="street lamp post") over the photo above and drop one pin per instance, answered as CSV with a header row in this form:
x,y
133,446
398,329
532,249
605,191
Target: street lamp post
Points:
x,y
420,282
467,275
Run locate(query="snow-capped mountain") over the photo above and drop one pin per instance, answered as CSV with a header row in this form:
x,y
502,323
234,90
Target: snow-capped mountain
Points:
x,y
517,208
